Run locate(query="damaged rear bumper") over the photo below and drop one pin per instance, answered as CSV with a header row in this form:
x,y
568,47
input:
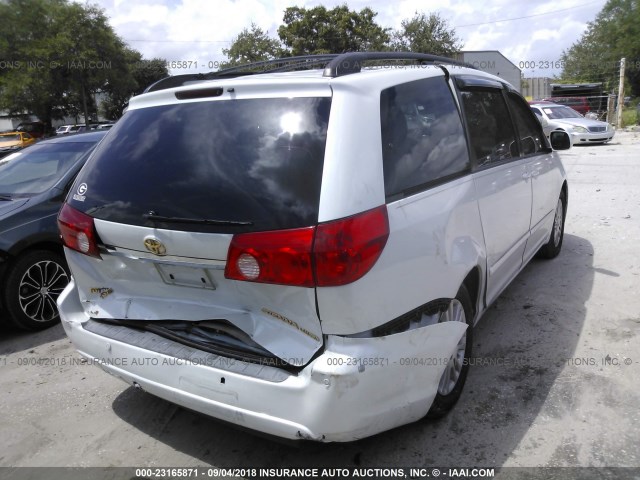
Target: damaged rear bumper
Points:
x,y
356,388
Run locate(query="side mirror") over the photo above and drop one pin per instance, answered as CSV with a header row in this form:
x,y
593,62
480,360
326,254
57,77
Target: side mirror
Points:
x,y
560,140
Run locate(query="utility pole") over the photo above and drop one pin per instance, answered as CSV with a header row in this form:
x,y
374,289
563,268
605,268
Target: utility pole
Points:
x,y
611,105
620,95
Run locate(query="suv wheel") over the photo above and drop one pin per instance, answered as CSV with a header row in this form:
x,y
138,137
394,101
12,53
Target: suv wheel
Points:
x,y
552,248
455,374
33,284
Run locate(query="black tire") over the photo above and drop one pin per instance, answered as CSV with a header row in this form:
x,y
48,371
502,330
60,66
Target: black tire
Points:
x,y
446,398
32,285
552,248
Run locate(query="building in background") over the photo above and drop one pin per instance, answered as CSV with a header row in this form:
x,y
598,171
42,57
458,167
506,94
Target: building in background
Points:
x,y
492,61
9,123
536,88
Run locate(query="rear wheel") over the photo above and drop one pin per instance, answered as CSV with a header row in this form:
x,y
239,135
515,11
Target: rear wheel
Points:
x,y
455,374
33,284
552,248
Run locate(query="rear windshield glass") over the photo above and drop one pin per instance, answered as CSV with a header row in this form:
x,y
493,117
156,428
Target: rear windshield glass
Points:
x,y
256,162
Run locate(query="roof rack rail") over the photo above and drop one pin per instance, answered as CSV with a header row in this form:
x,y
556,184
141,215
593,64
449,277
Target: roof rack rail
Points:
x,y
349,63
266,66
277,65
335,65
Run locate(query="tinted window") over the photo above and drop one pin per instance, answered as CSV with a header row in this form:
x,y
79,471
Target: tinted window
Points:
x,y
422,135
257,161
40,167
531,136
490,129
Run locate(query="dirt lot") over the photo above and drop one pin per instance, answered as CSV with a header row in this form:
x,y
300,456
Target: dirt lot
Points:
x,y
555,379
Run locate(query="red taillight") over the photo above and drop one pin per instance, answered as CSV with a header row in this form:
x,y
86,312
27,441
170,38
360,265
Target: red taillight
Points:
x,y
345,250
331,254
78,231
282,257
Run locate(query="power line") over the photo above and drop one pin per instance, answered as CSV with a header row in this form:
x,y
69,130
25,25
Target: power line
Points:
x,y
178,41
527,16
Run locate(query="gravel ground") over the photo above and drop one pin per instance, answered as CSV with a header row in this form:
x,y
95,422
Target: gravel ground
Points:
x,y
553,381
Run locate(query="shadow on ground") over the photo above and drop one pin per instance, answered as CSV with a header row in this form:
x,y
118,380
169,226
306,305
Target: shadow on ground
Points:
x,y
13,340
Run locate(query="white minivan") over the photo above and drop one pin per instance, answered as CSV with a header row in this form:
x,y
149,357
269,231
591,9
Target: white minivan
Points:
x,y
302,246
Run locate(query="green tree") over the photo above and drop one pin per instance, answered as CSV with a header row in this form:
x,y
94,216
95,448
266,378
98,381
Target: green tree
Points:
x,y
614,34
56,55
426,34
251,45
147,72
134,79
96,55
318,30
30,81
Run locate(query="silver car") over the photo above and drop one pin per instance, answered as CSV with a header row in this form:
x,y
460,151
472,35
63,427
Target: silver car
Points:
x,y
581,130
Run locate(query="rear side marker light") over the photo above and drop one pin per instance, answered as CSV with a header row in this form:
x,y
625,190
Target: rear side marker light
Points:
x,y
331,254
78,231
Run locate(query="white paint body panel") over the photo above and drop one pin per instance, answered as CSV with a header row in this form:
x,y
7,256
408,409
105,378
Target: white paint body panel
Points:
x,y
547,173
243,88
139,291
331,399
436,239
504,200
178,244
517,202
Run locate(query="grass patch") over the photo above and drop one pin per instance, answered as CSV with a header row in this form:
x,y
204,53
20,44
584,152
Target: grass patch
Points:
x,y
629,117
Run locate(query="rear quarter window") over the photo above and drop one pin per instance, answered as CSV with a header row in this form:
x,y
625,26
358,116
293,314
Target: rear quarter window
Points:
x,y
423,141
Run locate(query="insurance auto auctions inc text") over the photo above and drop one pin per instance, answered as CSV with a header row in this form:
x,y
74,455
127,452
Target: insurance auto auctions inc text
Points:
x,y
414,473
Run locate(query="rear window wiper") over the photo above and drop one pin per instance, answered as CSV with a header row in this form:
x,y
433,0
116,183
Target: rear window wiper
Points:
x,y
195,221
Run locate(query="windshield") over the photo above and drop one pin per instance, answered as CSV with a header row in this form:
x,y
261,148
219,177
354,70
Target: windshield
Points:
x,y
556,113
255,162
10,138
40,167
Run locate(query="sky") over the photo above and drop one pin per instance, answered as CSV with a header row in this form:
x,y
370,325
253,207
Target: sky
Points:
x,y
532,34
